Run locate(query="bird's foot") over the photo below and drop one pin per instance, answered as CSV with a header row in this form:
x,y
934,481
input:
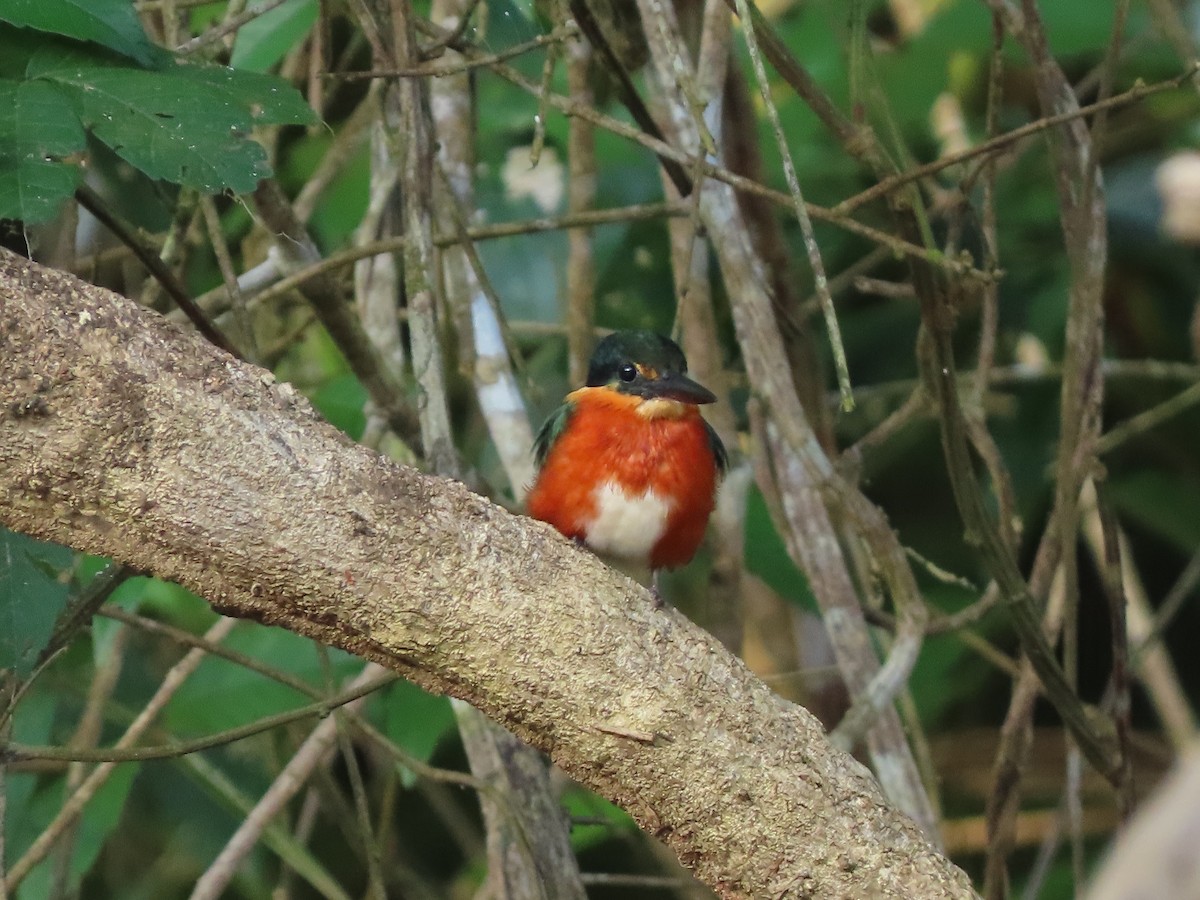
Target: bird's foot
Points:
x,y
656,590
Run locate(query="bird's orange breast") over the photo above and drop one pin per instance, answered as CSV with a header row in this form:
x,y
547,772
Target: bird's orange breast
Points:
x,y
661,463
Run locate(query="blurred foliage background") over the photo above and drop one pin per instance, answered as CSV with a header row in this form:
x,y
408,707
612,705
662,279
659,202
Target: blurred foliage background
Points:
x,y
920,72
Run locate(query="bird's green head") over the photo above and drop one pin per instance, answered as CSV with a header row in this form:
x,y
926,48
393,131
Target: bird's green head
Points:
x,y
645,364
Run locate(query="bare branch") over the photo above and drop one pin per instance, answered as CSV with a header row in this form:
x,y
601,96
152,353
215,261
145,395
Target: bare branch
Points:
x,y
329,540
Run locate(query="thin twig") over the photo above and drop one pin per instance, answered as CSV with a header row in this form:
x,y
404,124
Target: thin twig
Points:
x,y
1149,419
118,754
625,880
347,141
1108,71
8,685
216,240
94,204
555,37
297,247
186,638
989,314
215,301
989,147
1178,33
290,779
455,34
73,806
626,90
538,141
229,26
1112,580
1172,603
179,5
274,836
1016,733
740,183
821,285
109,663
80,609
367,838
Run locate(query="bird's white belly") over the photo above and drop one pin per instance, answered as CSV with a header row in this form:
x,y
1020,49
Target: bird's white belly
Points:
x,y
626,525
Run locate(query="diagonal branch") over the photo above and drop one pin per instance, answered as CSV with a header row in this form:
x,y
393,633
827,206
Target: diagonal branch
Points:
x,y
311,532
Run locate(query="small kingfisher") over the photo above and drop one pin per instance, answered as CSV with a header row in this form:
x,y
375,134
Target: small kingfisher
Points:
x,y
627,466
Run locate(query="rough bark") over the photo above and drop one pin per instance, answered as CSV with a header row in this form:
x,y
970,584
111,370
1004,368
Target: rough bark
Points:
x,y
124,436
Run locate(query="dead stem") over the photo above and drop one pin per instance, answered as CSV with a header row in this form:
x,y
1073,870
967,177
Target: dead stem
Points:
x,y
581,199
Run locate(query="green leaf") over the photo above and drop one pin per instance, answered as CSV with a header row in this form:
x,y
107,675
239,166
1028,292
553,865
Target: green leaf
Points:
x,y
102,816
37,118
269,100
33,724
274,836
767,556
186,124
265,40
30,599
97,822
38,127
222,695
32,189
603,818
110,23
1163,503
167,601
189,124
415,721
163,126
340,400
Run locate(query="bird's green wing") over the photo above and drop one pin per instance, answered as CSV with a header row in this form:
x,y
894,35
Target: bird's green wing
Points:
x,y
718,449
551,431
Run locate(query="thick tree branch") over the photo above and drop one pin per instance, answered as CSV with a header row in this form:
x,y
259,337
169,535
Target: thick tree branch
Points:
x,y
122,435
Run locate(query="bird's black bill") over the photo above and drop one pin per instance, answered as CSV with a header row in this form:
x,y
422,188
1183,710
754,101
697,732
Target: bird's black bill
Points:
x,y
679,387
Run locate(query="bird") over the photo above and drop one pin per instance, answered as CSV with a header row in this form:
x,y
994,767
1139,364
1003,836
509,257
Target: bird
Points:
x,y
627,466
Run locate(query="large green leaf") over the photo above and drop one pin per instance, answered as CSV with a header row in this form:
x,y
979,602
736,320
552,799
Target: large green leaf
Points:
x,y
222,695
32,189
341,401
1163,503
767,556
265,40
31,597
168,125
32,724
38,128
415,720
99,819
188,124
36,118
110,23
267,99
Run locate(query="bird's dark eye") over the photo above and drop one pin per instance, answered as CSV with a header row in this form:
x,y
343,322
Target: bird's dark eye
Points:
x,y
627,372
